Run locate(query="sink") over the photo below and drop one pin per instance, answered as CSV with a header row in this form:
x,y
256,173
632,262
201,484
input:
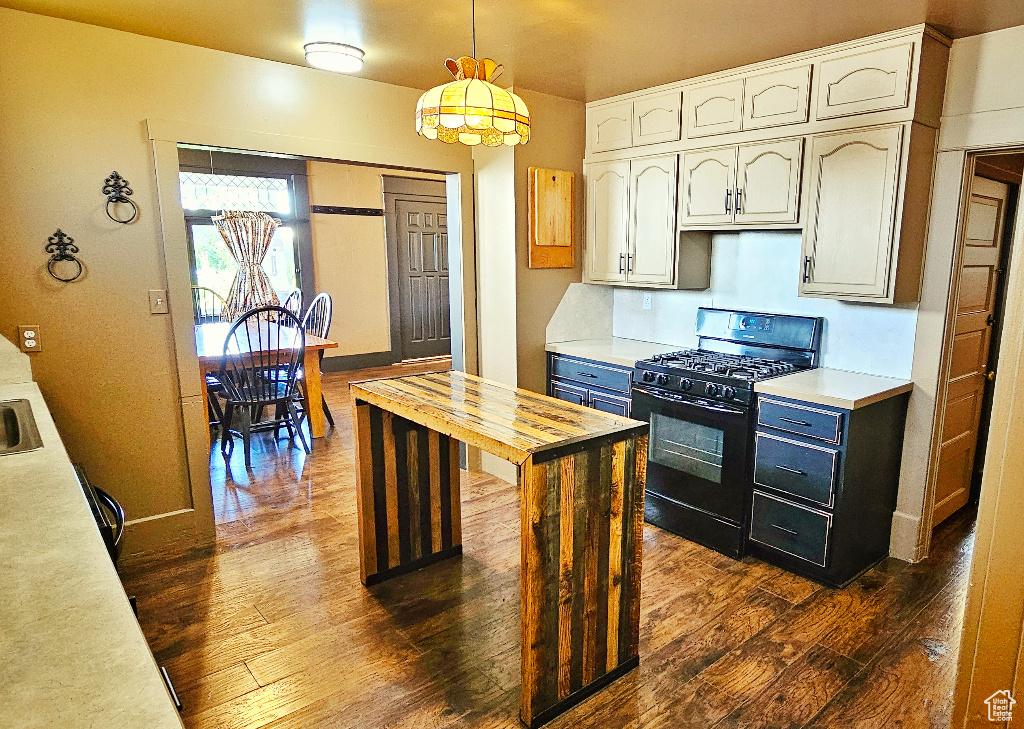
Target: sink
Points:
x,y
18,431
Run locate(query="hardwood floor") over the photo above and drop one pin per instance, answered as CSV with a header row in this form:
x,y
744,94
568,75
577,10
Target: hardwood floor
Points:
x,y
272,628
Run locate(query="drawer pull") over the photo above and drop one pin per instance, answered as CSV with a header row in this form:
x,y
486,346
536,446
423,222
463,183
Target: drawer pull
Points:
x,y
795,422
787,469
784,529
586,374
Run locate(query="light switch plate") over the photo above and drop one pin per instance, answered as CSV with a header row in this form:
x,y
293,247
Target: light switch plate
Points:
x,y
647,301
28,338
158,301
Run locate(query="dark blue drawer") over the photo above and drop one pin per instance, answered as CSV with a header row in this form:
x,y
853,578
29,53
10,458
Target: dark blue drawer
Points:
x,y
805,420
610,403
569,393
790,528
591,373
795,468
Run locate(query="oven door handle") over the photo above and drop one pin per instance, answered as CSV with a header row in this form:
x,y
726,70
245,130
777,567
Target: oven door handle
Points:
x,y
700,404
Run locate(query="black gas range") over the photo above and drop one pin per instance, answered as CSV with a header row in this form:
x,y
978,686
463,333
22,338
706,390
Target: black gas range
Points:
x,y
699,403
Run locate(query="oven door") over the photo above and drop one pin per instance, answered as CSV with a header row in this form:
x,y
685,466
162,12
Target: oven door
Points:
x,y
698,452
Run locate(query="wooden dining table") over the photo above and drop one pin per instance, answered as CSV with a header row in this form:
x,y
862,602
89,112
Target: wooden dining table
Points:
x,y
210,338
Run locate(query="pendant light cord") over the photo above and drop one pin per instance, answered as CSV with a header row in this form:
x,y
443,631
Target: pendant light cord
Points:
x,y
472,13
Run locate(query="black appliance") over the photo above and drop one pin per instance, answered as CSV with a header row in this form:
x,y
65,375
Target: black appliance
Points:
x,y
700,406
107,513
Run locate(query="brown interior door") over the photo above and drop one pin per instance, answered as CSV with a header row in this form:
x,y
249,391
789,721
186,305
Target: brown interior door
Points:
x,y
969,350
423,278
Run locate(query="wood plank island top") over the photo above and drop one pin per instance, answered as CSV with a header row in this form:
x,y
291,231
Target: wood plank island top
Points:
x,y
506,421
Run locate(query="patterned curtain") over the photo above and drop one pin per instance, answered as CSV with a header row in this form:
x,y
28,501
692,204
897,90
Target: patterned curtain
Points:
x,y
248,235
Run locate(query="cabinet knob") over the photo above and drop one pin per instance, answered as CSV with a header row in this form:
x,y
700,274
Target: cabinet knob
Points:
x,y
807,269
728,201
739,201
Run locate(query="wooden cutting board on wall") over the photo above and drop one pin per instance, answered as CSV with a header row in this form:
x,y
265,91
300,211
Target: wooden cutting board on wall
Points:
x,y
551,218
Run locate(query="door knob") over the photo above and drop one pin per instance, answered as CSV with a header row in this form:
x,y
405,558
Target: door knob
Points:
x,y
991,376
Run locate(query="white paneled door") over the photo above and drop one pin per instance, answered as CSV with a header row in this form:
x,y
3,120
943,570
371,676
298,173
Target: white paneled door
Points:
x,y
768,181
849,235
651,255
706,186
607,221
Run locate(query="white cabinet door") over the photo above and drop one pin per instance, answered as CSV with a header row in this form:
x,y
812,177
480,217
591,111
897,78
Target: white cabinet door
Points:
x,y
849,235
768,181
864,82
706,183
656,118
714,108
607,220
652,232
776,98
610,127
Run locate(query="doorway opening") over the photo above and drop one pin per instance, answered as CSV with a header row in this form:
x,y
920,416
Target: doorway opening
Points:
x,y
973,329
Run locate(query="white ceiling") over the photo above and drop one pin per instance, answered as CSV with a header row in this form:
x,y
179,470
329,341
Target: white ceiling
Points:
x,y
579,49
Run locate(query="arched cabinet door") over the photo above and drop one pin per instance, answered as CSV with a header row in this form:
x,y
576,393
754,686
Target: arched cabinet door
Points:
x,y
706,187
768,181
607,221
652,232
850,232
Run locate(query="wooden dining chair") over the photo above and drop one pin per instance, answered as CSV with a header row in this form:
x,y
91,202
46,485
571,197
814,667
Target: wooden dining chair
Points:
x,y
294,303
209,306
318,323
259,369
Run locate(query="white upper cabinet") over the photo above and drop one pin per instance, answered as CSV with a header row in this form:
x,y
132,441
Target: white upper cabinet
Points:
x,y
776,98
706,182
714,108
768,181
871,81
651,256
656,118
850,231
607,221
610,127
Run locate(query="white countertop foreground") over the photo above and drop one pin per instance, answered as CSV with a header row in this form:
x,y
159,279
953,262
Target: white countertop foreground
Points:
x,y
835,388
71,652
611,350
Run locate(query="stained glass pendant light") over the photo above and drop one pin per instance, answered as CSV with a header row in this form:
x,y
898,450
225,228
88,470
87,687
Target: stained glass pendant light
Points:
x,y
472,110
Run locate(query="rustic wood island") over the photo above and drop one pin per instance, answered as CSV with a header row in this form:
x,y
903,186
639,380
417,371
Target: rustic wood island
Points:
x,y
581,483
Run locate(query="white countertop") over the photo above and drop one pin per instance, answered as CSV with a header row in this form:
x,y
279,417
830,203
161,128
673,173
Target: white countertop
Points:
x,y
611,350
71,652
835,388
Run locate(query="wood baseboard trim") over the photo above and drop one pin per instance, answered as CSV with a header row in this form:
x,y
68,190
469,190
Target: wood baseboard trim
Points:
x,y
346,362
173,531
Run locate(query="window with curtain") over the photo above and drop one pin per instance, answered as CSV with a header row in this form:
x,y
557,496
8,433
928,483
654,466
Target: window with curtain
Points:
x,y
204,195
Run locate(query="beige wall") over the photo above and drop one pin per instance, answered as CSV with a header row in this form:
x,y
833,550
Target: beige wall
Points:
x,y
74,104
558,144
350,253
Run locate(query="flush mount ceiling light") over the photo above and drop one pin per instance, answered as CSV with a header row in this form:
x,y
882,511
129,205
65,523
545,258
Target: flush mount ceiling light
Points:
x,y
338,57
471,109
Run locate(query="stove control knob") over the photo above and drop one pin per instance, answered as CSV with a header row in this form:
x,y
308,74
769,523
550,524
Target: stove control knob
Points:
x,y
648,377
729,391
662,379
687,383
711,388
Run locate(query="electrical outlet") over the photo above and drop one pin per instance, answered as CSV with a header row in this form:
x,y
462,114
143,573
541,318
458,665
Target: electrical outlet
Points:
x,y
28,338
158,301
647,300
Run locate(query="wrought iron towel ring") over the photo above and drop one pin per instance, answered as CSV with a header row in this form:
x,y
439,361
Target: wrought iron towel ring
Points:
x,y
117,190
61,247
